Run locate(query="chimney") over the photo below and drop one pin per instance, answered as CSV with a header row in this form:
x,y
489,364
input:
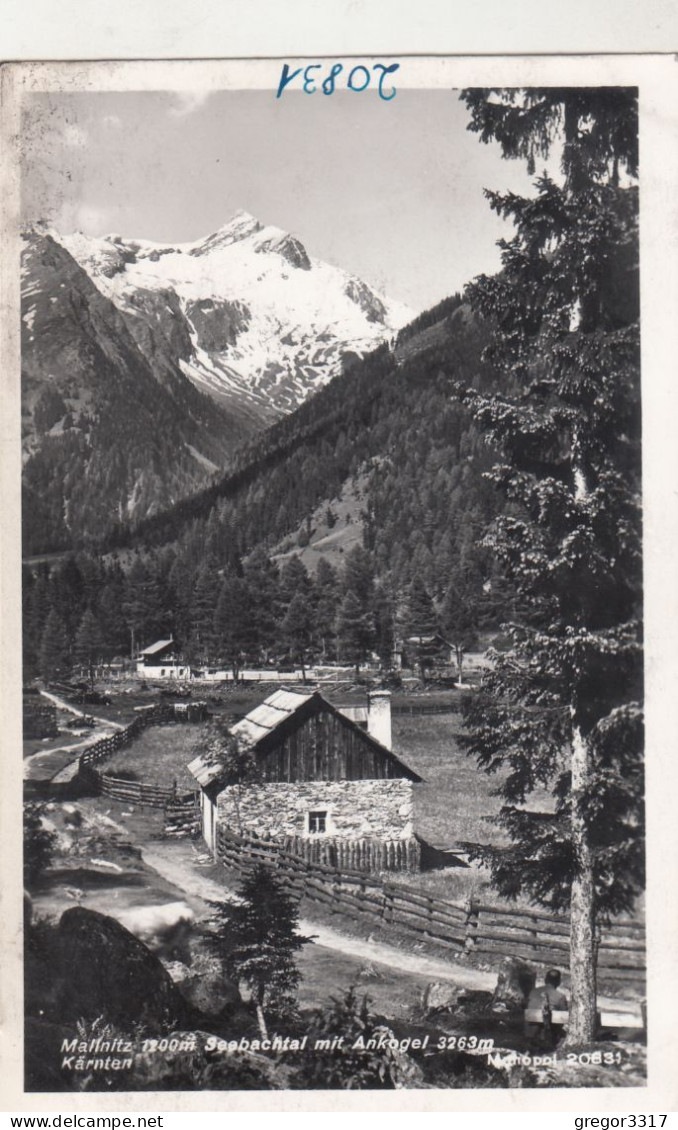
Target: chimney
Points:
x,y
379,716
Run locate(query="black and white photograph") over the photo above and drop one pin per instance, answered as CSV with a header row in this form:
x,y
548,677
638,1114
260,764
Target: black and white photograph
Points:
x,y
331,581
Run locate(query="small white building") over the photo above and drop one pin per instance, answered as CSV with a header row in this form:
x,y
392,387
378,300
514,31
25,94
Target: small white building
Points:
x,y
160,661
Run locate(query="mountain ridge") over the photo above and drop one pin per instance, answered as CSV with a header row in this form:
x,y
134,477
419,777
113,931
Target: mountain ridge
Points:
x,y
278,322
199,362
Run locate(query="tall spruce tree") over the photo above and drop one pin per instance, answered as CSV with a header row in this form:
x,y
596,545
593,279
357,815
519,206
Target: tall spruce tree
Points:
x,y
326,593
88,643
355,632
259,939
202,642
460,615
384,616
421,622
54,659
234,631
142,605
297,630
263,579
563,708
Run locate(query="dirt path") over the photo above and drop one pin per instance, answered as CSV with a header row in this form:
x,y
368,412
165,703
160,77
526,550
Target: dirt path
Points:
x,y
48,763
62,704
181,863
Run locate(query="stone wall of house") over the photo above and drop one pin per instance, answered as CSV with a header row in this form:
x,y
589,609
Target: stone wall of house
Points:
x,y
355,810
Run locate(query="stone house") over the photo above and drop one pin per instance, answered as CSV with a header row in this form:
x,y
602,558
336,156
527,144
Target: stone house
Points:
x,y
324,777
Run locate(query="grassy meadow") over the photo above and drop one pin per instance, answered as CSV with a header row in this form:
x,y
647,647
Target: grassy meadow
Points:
x,y
159,756
455,801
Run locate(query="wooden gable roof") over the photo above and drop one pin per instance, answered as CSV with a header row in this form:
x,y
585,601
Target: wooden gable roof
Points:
x,y
304,737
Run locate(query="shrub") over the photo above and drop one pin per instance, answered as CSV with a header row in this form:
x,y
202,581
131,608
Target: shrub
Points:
x,y
39,843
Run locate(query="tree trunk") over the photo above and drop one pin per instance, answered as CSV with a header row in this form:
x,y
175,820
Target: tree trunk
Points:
x,y
261,1020
460,658
582,1023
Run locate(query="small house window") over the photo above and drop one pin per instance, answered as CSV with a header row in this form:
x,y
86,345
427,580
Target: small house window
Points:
x,y
317,823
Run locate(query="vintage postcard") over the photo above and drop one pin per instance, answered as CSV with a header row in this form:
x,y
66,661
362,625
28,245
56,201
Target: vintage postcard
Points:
x,y
336,395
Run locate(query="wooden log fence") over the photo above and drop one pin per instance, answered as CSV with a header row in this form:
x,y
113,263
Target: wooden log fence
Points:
x,y
468,928
357,855
135,792
425,708
182,814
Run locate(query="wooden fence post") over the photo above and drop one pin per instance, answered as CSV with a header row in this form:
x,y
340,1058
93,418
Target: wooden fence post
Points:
x,y
430,906
336,893
472,923
388,905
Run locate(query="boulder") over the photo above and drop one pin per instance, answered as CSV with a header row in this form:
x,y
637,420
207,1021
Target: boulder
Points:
x,y
207,988
177,970
439,997
106,971
515,982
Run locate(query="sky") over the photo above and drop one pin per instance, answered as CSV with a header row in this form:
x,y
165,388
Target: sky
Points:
x,y
391,191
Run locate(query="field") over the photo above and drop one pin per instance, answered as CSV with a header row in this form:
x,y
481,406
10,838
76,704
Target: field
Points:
x,y
159,756
455,800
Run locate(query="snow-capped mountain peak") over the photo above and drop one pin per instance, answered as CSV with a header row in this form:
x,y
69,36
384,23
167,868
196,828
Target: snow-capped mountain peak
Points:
x,y
241,226
266,321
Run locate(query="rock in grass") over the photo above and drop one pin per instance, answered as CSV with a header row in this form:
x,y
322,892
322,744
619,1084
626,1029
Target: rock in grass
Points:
x,y
515,982
106,971
439,997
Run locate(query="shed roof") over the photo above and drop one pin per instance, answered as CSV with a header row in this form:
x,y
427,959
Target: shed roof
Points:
x,y
156,647
204,771
435,638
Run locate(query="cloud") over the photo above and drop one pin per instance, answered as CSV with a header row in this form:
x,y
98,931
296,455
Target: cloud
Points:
x,y
186,102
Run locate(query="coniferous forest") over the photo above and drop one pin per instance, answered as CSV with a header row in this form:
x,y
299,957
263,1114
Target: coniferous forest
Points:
x,y
393,431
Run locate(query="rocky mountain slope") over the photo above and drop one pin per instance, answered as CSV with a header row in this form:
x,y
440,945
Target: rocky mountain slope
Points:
x,y
107,434
253,320
144,367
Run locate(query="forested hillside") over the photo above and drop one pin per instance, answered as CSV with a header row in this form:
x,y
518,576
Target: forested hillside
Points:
x,y
392,432
393,417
